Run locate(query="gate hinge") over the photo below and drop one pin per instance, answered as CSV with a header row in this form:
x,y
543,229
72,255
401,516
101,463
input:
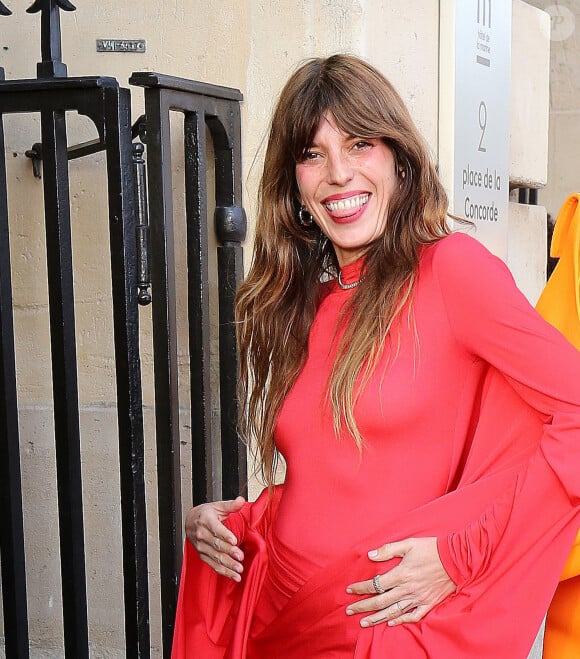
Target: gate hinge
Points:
x,y
142,226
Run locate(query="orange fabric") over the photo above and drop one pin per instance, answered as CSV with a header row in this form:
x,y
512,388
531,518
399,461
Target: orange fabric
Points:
x,y
560,306
559,303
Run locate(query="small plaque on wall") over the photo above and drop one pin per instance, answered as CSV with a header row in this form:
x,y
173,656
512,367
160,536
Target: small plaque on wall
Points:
x,y
474,114
121,46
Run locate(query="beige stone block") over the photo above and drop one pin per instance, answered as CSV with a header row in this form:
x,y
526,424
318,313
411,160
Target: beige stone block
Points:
x,y
527,251
185,38
400,37
33,360
530,93
281,37
565,52
563,177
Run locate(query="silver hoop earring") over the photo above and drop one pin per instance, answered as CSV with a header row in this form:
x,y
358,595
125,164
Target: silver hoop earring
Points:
x,y
304,217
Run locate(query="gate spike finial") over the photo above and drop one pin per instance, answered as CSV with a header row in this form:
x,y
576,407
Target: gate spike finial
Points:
x,y
4,11
39,5
51,65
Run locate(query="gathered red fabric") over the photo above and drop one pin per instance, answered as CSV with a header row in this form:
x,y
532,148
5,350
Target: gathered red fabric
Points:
x,y
472,434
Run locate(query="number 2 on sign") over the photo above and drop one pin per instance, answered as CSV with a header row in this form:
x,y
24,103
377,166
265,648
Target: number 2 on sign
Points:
x,y
482,124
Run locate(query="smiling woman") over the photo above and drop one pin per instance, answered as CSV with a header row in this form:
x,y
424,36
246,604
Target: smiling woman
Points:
x,y
346,183
428,417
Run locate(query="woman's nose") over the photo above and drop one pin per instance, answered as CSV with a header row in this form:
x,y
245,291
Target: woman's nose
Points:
x,y
339,169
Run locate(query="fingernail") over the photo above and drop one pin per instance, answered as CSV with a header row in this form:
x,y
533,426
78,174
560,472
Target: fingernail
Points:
x,y
237,578
364,623
373,554
349,612
349,590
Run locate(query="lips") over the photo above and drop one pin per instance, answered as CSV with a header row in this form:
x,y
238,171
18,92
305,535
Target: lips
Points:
x,y
348,203
346,208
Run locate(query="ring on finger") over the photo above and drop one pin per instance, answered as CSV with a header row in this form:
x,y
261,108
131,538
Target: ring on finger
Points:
x,y
400,607
216,543
377,585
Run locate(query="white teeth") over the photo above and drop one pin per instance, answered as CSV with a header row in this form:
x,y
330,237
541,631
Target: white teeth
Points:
x,y
347,204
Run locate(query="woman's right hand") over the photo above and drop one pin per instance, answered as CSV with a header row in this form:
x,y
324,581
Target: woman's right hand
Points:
x,y
214,542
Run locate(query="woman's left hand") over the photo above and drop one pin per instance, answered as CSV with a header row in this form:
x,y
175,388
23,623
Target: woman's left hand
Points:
x,y
413,587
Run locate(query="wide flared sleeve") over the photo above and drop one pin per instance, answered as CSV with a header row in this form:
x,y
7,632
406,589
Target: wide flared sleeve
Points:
x,y
214,613
493,321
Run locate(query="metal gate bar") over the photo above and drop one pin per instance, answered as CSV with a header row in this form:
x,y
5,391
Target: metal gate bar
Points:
x,y
218,108
123,246
64,381
11,523
196,209
107,106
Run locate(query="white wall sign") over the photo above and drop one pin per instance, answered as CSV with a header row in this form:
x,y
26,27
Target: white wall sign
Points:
x,y
480,89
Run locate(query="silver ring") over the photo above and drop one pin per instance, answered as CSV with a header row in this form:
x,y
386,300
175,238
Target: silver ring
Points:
x,y
401,608
377,586
216,543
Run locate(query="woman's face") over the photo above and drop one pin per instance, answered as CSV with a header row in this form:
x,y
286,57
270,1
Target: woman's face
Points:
x,y
346,183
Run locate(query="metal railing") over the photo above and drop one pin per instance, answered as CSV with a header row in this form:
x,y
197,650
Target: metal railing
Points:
x,y
217,107
107,105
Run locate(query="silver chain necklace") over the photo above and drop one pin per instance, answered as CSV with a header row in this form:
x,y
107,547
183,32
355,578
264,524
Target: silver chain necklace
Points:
x,y
347,287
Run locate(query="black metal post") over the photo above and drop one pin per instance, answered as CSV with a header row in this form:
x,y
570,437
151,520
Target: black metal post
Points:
x,y
198,303
64,382
218,108
165,356
231,231
230,227
11,522
122,231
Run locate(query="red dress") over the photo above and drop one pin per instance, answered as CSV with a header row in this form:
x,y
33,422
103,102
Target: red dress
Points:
x,y
471,425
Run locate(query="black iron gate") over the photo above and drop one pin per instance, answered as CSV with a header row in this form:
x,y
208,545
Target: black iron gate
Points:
x,y
108,106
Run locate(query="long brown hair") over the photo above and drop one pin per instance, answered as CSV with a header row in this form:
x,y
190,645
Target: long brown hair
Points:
x,y
277,302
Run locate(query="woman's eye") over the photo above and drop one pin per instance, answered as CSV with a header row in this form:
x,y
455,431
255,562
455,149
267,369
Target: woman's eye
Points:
x,y
309,156
361,145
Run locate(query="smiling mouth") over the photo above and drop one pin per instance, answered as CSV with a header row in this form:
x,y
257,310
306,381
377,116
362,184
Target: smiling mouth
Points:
x,y
348,204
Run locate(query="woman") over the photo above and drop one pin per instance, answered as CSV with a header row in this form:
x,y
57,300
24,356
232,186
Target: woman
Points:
x,y
429,419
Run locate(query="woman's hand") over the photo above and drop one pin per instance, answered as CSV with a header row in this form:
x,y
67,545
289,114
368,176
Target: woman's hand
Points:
x,y
214,542
412,588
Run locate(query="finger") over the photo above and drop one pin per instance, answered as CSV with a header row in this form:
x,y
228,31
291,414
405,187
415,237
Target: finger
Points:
x,y
411,616
387,581
209,544
390,550
378,602
224,547
221,532
233,505
391,613
222,557
222,539
216,563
